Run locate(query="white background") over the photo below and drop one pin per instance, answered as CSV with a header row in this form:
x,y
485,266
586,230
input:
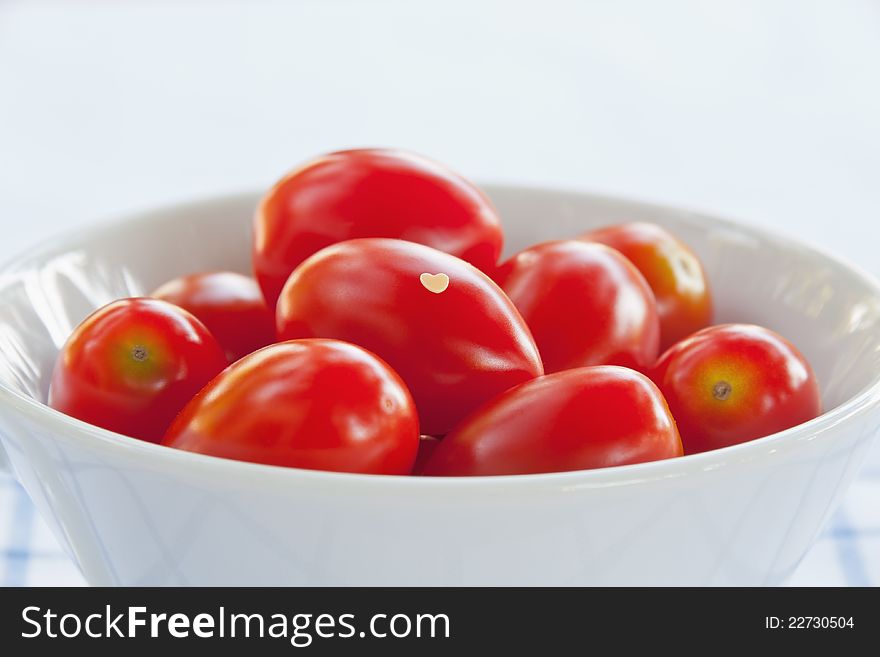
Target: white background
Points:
x,y
768,111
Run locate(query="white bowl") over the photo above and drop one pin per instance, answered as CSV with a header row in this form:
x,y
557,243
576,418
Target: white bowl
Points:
x,y
134,513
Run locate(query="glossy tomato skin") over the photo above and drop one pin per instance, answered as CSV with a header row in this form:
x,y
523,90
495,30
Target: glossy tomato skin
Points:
x,y
578,419
229,304
672,270
370,193
132,365
733,383
454,349
585,305
314,404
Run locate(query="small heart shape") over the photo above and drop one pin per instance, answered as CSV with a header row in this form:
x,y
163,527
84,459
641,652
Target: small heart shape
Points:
x,y
435,283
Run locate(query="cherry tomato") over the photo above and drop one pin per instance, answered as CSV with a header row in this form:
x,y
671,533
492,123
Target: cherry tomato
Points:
x,y
732,383
370,193
132,365
450,332
585,305
673,271
229,304
589,417
315,404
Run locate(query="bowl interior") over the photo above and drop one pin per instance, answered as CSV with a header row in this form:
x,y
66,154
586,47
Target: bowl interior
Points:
x,y
826,308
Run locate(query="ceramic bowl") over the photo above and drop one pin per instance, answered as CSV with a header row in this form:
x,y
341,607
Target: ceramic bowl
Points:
x,y
134,513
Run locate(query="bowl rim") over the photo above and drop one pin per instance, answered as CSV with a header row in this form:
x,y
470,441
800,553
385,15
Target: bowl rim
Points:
x,y
73,431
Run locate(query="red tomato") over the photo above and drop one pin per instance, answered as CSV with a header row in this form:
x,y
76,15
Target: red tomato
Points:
x,y
455,347
315,404
590,417
733,383
585,305
229,304
673,271
370,193
132,365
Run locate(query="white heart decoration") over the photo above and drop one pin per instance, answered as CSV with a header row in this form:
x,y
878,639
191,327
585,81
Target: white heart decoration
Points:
x,y
435,283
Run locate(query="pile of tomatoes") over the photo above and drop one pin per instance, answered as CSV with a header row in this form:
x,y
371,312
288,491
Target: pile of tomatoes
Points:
x,y
382,335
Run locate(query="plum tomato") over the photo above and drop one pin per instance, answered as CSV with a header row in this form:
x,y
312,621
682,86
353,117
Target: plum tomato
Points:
x,y
578,419
443,325
732,383
132,365
585,305
229,304
314,404
672,269
370,193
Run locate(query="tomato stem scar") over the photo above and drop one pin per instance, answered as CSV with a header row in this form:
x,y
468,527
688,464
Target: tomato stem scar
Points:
x,y
139,353
721,390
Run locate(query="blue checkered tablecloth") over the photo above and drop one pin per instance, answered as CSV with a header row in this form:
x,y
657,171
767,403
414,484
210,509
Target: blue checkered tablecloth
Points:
x,y
846,554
